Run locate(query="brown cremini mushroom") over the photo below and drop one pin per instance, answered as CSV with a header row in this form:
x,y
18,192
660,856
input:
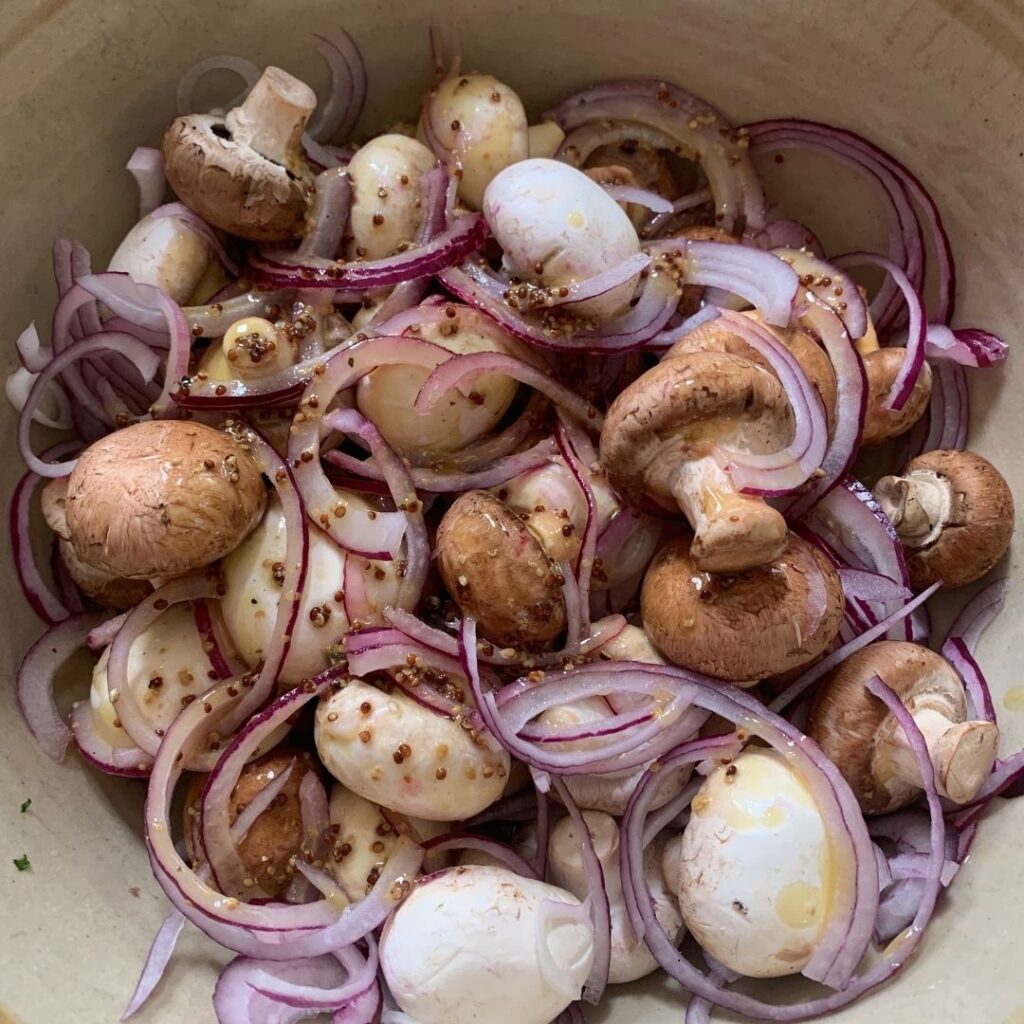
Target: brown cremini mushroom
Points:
x,y
881,422
745,626
162,498
713,337
954,513
858,733
104,588
246,173
658,448
277,835
497,571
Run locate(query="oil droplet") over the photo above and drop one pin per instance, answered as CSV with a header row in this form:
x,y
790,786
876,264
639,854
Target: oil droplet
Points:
x,y
576,220
798,905
1014,699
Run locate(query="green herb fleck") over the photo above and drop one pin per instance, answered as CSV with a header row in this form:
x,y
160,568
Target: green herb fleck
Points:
x,y
22,863
26,804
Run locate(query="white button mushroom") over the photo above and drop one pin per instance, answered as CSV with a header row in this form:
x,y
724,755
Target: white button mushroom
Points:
x,y
386,396
484,944
254,572
167,668
544,139
255,348
405,757
630,958
365,837
557,227
385,176
756,871
166,253
481,122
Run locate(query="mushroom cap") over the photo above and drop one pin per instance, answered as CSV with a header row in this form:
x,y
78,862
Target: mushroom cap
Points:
x,y
480,943
743,626
880,422
104,588
230,185
161,498
712,337
497,571
980,524
647,165
850,725
679,410
277,834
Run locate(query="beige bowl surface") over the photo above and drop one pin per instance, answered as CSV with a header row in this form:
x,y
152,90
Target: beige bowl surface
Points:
x,y
938,82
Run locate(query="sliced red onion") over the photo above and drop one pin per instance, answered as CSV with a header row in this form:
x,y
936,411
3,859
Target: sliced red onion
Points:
x,y
124,762
832,285
977,615
285,270
273,931
260,802
213,319
851,403
35,679
600,284
871,586
141,356
245,70
380,537
588,546
146,166
329,216
338,116
639,196
968,346
403,494
105,633
458,370
315,816
694,129
196,224
782,471
476,284
465,841
597,897
759,277
157,959
840,654
949,411
218,649
37,592
788,234
19,386
660,224
33,354
910,370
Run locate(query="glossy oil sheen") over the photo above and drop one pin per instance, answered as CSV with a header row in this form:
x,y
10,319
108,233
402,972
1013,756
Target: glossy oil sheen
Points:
x,y
936,81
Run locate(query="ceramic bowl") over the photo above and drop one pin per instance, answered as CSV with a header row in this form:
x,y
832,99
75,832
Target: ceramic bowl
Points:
x,y
937,82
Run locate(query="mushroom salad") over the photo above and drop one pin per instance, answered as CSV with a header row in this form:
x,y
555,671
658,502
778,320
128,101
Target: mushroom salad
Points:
x,y
514,536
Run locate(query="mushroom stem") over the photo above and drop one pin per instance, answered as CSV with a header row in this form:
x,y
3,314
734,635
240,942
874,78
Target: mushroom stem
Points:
x,y
962,754
918,505
273,117
732,531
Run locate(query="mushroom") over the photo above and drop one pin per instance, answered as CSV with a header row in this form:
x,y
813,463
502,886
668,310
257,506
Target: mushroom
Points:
x,y
659,442
632,644
246,173
544,140
479,943
274,839
363,838
161,498
255,348
104,588
405,757
880,422
647,167
386,209
630,958
867,744
712,337
745,626
556,227
756,870
481,123
166,252
386,395
168,667
953,511
254,575
497,571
